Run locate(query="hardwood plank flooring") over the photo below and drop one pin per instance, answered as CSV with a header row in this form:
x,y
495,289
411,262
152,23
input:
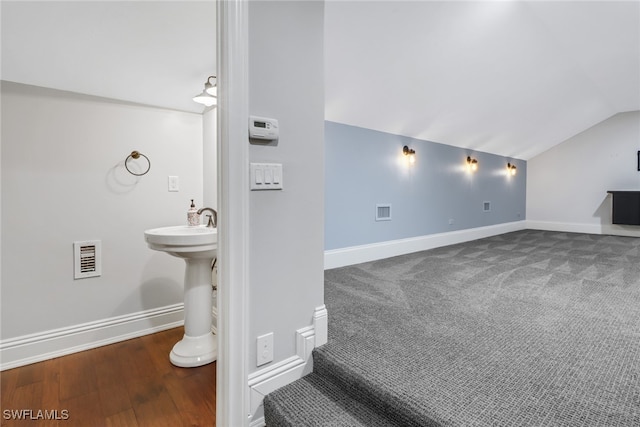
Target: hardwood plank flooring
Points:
x,y
129,384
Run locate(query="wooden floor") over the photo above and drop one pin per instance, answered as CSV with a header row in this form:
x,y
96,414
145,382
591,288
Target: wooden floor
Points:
x,y
131,383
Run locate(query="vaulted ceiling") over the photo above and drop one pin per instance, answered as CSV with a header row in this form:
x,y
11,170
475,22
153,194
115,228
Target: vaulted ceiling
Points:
x,y
508,77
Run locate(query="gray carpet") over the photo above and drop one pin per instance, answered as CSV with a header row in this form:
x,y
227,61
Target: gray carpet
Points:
x,y
530,328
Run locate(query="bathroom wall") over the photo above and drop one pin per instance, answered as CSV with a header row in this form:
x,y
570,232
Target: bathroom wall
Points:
x,y
64,180
436,194
210,158
286,82
568,184
210,180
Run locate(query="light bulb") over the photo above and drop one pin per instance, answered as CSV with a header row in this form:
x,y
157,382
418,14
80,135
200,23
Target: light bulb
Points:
x,y
205,98
472,164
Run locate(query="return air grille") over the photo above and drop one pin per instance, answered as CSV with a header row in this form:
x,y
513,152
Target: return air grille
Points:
x,y
87,259
383,212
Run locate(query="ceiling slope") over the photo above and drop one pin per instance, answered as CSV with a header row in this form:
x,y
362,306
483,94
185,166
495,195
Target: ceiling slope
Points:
x,y
512,78
157,53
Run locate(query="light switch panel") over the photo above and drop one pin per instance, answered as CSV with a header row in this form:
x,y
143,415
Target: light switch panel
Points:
x,y
266,176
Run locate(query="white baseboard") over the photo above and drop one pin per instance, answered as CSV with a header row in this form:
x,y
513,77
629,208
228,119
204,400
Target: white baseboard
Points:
x,y
568,227
287,371
27,349
335,258
565,227
621,230
257,423
320,326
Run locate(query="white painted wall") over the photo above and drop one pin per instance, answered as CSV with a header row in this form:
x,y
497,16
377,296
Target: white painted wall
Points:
x,y
210,158
286,82
63,179
210,177
567,185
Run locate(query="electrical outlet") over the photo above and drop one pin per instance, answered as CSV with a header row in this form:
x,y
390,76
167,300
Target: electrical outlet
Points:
x,y
174,183
451,221
265,349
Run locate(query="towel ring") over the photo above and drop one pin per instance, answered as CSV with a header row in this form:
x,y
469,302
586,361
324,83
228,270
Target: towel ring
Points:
x,y
136,155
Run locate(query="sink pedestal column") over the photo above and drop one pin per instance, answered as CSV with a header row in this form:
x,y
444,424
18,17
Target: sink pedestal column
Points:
x,y
198,346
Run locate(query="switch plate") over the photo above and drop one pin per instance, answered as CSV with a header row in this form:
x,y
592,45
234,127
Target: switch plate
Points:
x,y
266,176
174,183
265,349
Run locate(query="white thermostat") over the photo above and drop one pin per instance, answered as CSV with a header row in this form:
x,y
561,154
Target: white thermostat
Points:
x,y
263,128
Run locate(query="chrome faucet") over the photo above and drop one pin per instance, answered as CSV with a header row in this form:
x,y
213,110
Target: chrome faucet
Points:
x,y
213,222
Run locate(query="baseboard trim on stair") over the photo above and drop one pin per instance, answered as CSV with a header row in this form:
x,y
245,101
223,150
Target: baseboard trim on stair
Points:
x,y
266,380
335,258
27,349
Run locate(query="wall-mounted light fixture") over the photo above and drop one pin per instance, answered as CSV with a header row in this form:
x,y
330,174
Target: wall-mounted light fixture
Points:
x,y
410,152
511,169
472,164
209,95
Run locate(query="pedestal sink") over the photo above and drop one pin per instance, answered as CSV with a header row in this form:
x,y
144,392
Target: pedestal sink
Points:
x,y
197,245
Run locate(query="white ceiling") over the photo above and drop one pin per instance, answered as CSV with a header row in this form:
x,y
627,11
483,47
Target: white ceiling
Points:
x,y
508,77
151,52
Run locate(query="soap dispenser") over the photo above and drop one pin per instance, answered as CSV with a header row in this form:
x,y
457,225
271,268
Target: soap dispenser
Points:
x,y
193,218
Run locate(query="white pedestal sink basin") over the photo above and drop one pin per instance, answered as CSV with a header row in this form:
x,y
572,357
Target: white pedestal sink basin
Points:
x,y
197,245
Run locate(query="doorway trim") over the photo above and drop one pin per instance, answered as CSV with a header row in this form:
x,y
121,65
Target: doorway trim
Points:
x,y
232,392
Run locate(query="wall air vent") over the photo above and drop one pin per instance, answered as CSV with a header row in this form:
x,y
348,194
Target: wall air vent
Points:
x,y
383,212
486,206
87,259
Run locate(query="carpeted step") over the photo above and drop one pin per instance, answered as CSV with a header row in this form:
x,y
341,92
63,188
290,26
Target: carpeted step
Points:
x,y
313,401
512,330
372,392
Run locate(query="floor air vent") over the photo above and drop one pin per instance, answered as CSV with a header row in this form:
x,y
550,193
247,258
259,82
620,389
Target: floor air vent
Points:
x,y
87,259
383,212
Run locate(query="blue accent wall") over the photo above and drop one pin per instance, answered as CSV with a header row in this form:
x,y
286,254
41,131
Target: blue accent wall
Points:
x,y
364,168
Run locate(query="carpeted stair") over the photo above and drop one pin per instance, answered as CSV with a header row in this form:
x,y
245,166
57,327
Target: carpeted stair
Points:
x,y
525,329
319,403
336,396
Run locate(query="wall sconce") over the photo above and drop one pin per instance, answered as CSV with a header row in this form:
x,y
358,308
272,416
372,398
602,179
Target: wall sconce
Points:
x,y
472,164
511,169
409,152
209,95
